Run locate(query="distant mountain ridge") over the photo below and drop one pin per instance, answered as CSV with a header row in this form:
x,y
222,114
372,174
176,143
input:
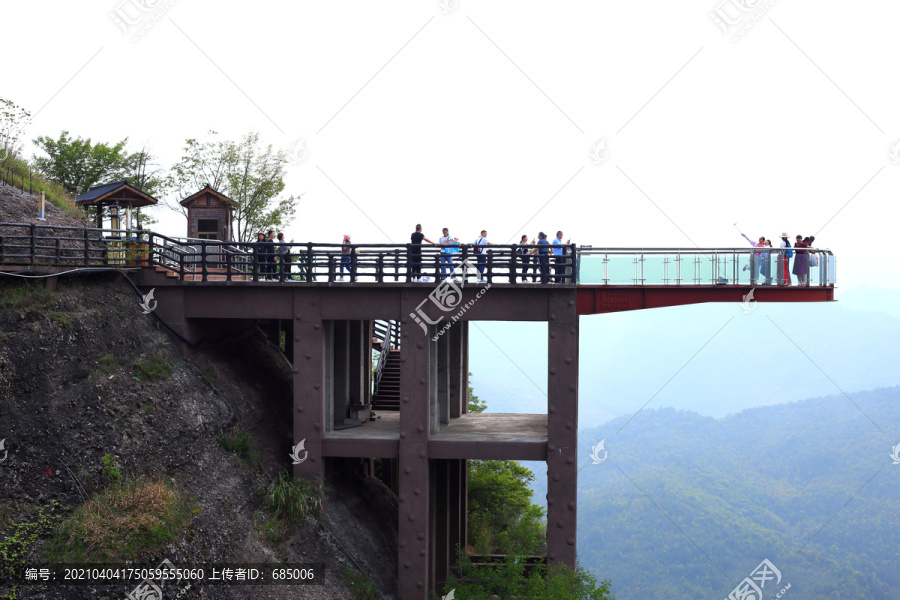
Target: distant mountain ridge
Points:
x,y
709,358
686,506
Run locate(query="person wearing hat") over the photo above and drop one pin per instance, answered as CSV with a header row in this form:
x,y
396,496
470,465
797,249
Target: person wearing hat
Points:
x,y
784,261
445,241
346,251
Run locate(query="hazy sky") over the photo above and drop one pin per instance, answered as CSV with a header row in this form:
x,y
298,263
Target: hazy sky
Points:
x,y
484,115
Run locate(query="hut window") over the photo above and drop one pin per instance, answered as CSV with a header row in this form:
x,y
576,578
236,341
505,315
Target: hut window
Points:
x,y
208,229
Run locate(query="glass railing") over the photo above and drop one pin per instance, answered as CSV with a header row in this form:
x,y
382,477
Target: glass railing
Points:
x,y
704,266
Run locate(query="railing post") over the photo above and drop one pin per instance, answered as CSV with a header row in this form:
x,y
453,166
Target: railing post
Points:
x,y
353,263
87,257
489,267
379,268
202,261
227,265
181,265
330,267
513,258
309,262
396,264
33,242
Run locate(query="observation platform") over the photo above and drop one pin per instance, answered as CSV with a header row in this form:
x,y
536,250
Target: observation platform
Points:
x,y
332,307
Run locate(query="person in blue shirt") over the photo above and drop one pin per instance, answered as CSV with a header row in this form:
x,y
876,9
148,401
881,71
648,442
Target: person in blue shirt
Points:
x,y
558,261
446,254
543,257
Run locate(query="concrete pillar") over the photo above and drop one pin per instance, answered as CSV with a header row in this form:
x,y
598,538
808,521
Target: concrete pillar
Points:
x,y
415,385
457,476
309,380
357,362
341,390
465,366
457,379
443,378
434,421
562,427
443,551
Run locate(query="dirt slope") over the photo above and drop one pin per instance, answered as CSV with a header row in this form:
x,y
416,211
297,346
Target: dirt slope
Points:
x,y
63,407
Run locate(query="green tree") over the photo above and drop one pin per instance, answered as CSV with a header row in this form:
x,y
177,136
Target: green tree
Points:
x,y
77,164
502,517
13,119
476,405
251,175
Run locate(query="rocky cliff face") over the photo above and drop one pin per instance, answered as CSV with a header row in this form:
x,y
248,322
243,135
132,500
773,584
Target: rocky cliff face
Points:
x,y
94,393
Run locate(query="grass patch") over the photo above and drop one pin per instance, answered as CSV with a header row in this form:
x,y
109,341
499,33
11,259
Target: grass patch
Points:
x,y
119,523
19,540
61,318
292,499
110,470
240,443
108,364
151,368
17,172
25,296
359,585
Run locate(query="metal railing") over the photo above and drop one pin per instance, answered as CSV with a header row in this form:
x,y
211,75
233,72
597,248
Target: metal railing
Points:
x,y
374,263
66,247
705,266
387,344
46,246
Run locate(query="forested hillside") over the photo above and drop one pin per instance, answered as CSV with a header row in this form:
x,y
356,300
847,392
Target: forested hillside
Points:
x,y
686,506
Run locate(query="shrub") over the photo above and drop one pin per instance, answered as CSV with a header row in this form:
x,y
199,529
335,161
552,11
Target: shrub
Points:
x,y
110,470
359,585
151,368
60,318
120,522
292,499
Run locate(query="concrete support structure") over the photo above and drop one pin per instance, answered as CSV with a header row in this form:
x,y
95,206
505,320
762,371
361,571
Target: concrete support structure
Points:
x,y
415,488
427,445
562,428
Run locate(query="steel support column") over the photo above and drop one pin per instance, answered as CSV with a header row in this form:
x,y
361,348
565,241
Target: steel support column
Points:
x,y
415,395
457,376
562,423
309,375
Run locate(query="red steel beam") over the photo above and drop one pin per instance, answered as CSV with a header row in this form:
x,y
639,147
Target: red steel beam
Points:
x,y
598,299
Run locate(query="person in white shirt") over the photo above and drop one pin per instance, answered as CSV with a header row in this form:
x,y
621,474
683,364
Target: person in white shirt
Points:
x,y
480,243
784,261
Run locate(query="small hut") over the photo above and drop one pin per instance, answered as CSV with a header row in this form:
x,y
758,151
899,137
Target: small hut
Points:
x,y
209,215
118,200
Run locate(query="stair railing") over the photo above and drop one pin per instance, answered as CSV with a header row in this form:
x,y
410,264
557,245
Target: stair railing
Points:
x,y
386,345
